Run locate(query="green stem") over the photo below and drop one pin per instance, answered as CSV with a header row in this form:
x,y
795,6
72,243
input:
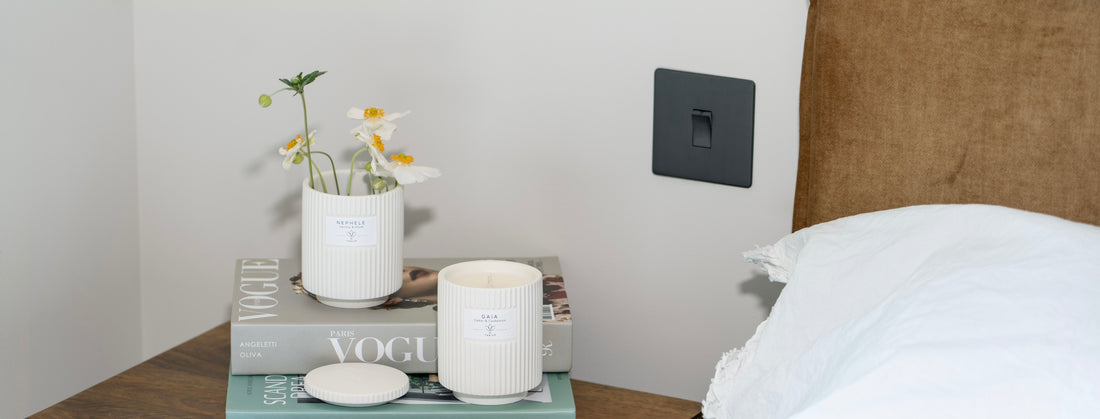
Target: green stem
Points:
x,y
305,136
351,173
334,179
324,188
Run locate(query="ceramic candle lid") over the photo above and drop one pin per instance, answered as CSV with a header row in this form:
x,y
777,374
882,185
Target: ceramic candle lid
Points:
x,y
356,384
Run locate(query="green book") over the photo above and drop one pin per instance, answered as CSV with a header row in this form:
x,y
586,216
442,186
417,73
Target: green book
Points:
x,y
283,396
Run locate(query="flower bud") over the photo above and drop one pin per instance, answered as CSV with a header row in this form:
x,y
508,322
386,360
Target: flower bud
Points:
x,y
265,100
379,184
298,157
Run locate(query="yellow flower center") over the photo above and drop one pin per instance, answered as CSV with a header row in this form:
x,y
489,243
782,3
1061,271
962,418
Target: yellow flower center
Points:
x,y
402,158
293,142
377,143
373,113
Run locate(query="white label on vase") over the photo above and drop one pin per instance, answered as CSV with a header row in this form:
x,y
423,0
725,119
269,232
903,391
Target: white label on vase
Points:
x,y
351,231
489,324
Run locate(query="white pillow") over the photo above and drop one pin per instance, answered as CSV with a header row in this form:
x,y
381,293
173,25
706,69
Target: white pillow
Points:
x,y
929,311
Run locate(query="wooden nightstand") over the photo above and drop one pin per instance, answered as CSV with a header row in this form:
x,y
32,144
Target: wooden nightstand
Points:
x,y
190,381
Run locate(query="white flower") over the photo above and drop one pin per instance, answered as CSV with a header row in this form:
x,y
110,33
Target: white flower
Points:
x,y
379,165
371,141
375,122
293,150
403,171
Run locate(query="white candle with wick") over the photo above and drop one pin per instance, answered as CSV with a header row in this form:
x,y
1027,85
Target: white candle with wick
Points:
x,y
490,330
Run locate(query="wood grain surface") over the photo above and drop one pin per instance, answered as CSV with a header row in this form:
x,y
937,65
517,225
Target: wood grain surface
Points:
x,y
190,381
600,401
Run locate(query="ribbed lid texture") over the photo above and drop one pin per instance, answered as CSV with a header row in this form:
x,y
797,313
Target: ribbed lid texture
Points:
x,y
356,384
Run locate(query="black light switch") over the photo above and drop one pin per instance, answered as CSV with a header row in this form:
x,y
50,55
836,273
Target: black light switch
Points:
x,y
703,127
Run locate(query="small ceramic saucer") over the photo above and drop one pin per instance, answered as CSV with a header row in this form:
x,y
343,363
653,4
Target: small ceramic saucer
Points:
x,y
356,384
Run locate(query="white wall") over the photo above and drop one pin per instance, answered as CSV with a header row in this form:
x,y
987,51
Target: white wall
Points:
x,y
68,234
540,117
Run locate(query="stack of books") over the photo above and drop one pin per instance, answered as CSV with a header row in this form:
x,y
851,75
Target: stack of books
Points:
x,y
279,333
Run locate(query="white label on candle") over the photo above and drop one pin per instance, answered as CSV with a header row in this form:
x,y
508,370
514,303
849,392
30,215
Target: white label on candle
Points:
x,y
351,231
489,324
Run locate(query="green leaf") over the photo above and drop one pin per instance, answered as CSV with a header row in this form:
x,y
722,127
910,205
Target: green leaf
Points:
x,y
309,78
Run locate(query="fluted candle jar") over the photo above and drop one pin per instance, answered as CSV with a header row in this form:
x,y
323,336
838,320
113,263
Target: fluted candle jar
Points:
x,y
490,330
352,246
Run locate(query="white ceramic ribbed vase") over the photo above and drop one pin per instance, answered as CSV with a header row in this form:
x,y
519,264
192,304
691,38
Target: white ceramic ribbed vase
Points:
x,y
352,245
490,330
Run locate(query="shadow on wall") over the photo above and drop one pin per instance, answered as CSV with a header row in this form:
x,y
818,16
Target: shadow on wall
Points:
x,y
765,291
287,209
415,217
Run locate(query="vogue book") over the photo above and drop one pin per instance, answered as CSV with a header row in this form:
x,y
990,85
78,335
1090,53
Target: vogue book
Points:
x,y
276,327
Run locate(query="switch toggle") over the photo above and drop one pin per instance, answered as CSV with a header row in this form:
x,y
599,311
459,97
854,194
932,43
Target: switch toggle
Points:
x,y
700,128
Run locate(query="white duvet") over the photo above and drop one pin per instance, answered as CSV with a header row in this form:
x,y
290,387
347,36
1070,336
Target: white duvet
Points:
x,y
948,311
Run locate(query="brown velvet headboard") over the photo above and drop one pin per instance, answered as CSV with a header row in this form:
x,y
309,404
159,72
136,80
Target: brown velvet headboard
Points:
x,y
950,101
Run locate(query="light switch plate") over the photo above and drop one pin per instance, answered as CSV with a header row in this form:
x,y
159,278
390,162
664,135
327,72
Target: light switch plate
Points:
x,y
683,104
